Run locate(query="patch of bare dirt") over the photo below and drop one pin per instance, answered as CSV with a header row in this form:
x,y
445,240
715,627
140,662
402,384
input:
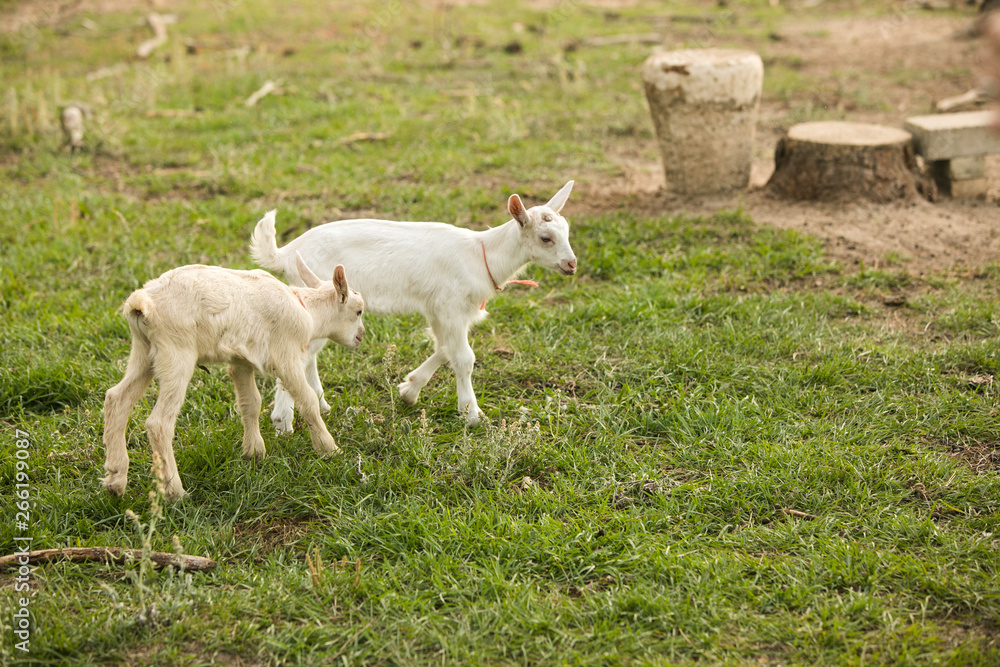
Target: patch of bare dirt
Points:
x,y
983,458
27,16
270,536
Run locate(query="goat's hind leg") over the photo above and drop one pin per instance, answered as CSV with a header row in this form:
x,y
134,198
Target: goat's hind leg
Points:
x,y
118,404
312,373
173,373
416,380
248,402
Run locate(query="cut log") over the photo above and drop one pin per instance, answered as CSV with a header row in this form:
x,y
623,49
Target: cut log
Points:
x,y
832,160
105,554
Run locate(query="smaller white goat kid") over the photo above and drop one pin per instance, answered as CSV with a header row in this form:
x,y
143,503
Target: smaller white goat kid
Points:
x,y
444,272
249,319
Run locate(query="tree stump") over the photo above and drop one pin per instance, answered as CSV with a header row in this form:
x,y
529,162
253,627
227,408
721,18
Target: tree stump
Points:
x,y
704,106
832,160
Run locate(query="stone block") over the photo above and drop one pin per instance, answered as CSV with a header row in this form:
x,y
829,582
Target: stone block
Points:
x,y
951,135
967,168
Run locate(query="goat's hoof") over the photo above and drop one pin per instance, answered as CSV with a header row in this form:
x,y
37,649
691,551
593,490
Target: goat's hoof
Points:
x,y
473,419
173,494
115,487
254,453
282,423
324,407
326,452
408,393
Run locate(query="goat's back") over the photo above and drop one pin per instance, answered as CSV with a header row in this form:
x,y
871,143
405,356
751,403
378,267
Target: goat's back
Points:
x,y
398,267
221,313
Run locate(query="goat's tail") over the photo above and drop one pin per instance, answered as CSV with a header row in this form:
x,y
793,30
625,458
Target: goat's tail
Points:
x,y
264,246
139,311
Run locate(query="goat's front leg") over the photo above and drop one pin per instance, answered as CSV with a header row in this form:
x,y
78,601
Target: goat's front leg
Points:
x,y
173,374
462,360
283,414
308,404
118,404
248,402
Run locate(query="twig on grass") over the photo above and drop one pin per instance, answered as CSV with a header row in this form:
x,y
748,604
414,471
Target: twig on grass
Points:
x,y
115,555
158,22
361,136
170,113
797,513
269,87
974,96
613,40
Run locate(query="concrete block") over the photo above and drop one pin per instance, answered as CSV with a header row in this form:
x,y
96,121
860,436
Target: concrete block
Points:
x,y
974,188
704,104
951,135
967,168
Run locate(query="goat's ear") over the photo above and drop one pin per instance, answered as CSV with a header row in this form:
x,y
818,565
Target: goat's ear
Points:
x,y
559,200
516,209
308,278
340,283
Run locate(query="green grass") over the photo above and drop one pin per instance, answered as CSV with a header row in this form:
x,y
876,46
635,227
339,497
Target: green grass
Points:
x,y
715,444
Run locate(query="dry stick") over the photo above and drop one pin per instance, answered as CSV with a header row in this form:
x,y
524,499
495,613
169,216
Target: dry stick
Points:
x,y
104,554
801,515
170,113
268,88
361,136
105,72
158,22
974,96
612,40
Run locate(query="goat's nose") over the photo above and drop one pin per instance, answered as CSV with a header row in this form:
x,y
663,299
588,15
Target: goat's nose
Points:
x,y
571,266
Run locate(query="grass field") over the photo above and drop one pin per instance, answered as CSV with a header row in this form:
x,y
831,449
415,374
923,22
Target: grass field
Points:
x,y
714,444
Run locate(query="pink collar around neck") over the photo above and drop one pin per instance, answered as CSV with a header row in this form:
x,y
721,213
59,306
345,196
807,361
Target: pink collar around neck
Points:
x,y
499,288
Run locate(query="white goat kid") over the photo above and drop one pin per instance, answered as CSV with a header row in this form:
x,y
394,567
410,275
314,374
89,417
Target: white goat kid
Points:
x,y
249,319
444,272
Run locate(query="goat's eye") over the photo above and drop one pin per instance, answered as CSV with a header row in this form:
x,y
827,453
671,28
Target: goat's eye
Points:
x,y
547,240
359,313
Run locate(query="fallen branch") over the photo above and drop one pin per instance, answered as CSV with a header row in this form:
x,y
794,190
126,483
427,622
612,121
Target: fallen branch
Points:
x,y
361,136
974,96
797,513
115,555
158,22
611,40
170,113
265,90
105,72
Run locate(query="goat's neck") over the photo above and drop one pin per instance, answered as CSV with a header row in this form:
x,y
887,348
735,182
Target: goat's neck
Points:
x,y
306,297
505,251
